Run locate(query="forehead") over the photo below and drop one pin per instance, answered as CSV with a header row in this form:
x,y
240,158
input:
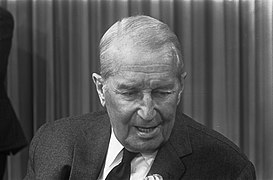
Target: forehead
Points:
x,y
139,80
145,68
131,57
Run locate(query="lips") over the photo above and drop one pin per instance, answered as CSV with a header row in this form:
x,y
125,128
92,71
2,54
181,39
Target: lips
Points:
x,y
147,132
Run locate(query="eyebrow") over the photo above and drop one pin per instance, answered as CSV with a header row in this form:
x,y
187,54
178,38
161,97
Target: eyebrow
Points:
x,y
135,86
129,86
166,86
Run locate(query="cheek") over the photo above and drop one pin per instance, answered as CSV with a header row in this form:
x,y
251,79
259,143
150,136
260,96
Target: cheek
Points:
x,y
119,111
168,112
168,107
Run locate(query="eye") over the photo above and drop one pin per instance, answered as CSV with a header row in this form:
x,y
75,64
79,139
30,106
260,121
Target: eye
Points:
x,y
129,93
161,93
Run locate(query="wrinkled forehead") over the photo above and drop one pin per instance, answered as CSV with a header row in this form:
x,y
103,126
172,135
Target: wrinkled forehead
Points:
x,y
127,52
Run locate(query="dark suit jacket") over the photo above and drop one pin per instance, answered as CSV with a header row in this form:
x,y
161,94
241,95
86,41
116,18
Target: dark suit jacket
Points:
x,y
75,148
12,138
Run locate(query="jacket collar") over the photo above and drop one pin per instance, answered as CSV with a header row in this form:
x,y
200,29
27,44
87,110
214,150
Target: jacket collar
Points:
x,y
168,161
90,150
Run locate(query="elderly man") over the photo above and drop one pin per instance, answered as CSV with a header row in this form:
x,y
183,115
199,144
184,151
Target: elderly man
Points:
x,y
141,134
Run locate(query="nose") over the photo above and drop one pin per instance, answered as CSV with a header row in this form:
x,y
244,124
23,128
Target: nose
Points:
x,y
147,109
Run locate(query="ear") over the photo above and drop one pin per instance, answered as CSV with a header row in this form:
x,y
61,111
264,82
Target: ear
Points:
x,y
182,79
98,80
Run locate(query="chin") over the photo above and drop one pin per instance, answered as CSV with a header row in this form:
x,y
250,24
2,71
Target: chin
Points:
x,y
145,147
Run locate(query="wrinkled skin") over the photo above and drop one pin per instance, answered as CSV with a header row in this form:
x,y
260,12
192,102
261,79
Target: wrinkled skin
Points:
x,y
142,97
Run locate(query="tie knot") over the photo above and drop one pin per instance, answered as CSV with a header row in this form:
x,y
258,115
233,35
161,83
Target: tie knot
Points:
x,y
128,156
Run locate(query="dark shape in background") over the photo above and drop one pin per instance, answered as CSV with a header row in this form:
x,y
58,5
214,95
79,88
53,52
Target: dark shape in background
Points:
x,y
12,138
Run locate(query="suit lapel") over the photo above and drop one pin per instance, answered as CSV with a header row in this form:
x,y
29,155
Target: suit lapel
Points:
x,y
168,161
90,151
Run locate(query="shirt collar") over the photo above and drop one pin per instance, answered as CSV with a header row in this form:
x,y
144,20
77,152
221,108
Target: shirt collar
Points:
x,y
149,158
114,150
114,153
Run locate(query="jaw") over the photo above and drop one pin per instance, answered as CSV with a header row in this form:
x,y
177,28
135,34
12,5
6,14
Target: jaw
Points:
x,y
143,144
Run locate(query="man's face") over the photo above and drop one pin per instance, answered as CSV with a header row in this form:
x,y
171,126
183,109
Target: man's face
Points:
x,y
142,97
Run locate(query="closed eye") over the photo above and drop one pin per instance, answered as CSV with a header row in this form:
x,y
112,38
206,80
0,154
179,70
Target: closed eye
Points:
x,y
162,93
129,93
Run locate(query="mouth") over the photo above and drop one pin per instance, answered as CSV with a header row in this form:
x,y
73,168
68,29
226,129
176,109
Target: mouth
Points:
x,y
147,132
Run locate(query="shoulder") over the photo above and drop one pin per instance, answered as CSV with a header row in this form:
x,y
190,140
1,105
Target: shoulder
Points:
x,y
74,123
201,134
66,130
52,146
214,154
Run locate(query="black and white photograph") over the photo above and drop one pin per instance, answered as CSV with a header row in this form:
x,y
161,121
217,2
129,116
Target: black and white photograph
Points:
x,y
136,89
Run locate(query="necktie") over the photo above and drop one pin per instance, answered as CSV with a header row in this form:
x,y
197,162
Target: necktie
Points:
x,y
123,170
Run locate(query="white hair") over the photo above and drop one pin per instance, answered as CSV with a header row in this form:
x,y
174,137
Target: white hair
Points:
x,y
144,31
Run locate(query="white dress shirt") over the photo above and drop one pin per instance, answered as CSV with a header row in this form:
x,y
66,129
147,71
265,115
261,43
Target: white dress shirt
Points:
x,y
140,165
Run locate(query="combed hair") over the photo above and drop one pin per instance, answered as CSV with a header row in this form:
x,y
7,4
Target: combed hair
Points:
x,y
144,31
